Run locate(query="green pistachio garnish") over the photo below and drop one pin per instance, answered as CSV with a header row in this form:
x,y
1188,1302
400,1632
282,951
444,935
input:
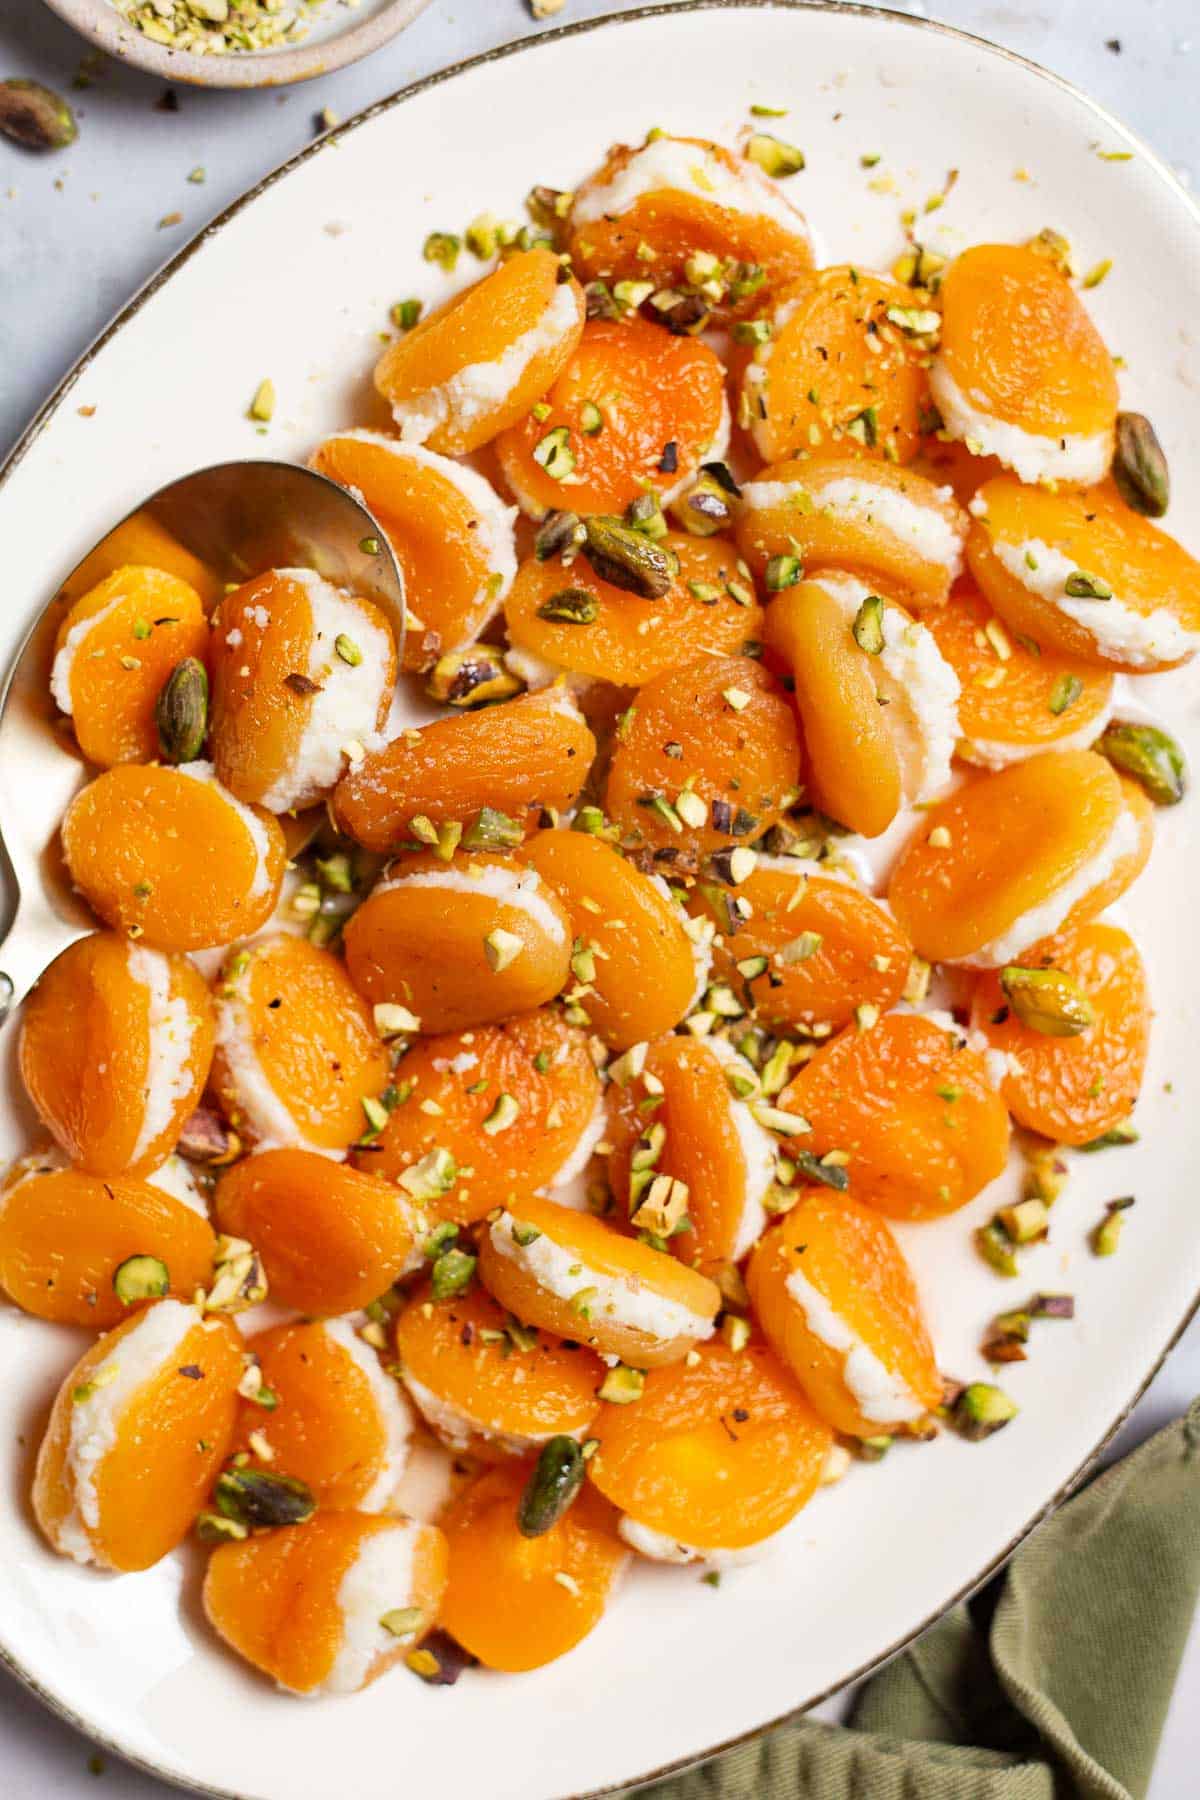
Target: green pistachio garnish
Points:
x,y
868,625
347,650
622,1386
706,507
1107,1235
181,711
774,156
452,1273
262,406
239,1279
1150,756
783,572
1025,1222
752,331
1082,586
554,453
442,247
214,1528
475,676
504,1113
627,558
35,116
492,830
1065,693
560,534
571,606
258,1498
995,1247
434,1174
864,427
591,419
553,1485
1139,466
982,1409
403,1621
405,313
1047,1000
140,1278
1124,1133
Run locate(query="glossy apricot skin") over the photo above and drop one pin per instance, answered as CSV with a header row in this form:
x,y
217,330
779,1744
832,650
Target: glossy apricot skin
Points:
x,y
331,1238
479,325
1005,703
133,627
854,767
862,958
546,1067
1144,566
1074,1089
142,542
848,1254
914,1108
645,966
605,1253
64,1234
274,1597
518,757
503,1602
422,939
508,1398
168,858
292,1006
747,760
1015,837
172,1436
718,1454
832,354
85,1054
652,389
631,640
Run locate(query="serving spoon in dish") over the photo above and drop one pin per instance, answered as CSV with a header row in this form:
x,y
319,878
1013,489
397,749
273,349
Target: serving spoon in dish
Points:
x,y
238,519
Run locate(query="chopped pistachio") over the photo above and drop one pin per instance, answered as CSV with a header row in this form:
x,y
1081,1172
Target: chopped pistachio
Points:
x,y
239,1280
1124,1133
492,830
621,1386
262,406
501,948
1025,1222
783,571
1045,1176
982,1409
140,1278
554,453
736,1331
403,1621
405,313
1082,586
1048,1001
433,1175
995,1246
663,1208
504,1114
868,625
773,156
570,606
258,1498
347,649
1065,693
452,1274
691,808
628,557
591,419
442,247
1107,1235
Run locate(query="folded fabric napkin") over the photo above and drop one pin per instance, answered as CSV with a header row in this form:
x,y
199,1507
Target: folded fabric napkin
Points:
x,y
1051,1684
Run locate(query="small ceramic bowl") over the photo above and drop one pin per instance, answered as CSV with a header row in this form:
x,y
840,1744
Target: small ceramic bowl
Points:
x,y
337,35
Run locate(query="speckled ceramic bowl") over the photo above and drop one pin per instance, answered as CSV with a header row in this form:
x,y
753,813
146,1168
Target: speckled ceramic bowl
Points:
x,y
337,35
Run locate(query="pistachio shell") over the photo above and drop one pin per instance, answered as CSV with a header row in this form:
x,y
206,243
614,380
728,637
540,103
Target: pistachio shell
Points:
x,y
1150,756
552,1487
182,711
35,116
1047,1000
1139,466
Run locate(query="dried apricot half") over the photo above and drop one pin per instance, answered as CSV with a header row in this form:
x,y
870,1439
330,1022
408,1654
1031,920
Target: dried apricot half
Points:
x,y
480,361
142,541
115,1047
838,1302
138,1431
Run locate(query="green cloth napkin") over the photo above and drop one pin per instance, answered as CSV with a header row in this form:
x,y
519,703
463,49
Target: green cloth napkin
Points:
x,y
1051,1684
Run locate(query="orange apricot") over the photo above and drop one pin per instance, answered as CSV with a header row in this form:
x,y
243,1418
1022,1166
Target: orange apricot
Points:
x,y
870,519
331,1238
1074,1088
838,1303
1081,573
460,943
614,635
115,1047
455,1144
451,533
1021,372
661,404
170,856
487,1387
479,362
326,1607
333,1419
1014,855
141,541
720,731
718,1454
506,1601
514,759
912,1106
570,1273
114,650
138,1431
297,1054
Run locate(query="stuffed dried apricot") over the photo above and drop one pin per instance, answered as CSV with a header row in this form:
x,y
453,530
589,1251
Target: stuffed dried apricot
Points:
x,y
480,361
328,1606
331,1238
1021,371
708,756
140,541
169,855
451,533
460,943
570,1273
138,1431
114,649
1073,1088
486,1113
839,1304
512,759
115,1047
517,1602
1016,855
661,406
718,1454
297,1053
913,1109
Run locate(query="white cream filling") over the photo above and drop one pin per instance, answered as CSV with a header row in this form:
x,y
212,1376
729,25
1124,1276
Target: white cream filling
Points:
x,y
993,753
1116,628
1044,920
456,1429
345,708
378,1581
660,1547
670,164
879,1395
1081,457
392,1411
205,774
477,389
176,1177
171,1030
72,644
618,1299
922,528
701,945
585,1148
523,892
757,1146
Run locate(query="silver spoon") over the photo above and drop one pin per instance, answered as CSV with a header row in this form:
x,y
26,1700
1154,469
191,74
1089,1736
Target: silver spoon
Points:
x,y
238,518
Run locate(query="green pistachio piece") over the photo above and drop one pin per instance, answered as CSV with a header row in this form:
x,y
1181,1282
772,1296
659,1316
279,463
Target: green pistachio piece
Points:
x,y
442,247
181,711
554,453
555,1482
452,1274
492,830
35,116
868,625
783,571
1150,756
559,534
982,1409
141,1278
1065,693
1082,586
572,606
995,1247
622,1386
773,156
627,558
258,1497
1139,466
1047,1000
472,677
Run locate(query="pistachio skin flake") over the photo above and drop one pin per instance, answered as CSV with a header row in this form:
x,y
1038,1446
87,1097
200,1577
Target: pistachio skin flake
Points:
x,y
35,116
181,711
627,558
1139,466
259,1498
550,1490
1047,1000
1150,756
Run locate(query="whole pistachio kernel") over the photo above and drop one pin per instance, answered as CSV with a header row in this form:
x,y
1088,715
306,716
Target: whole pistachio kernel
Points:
x,y
553,1485
181,711
554,453
1079,585
347,650
1150,756
774,156
560,534
35,116
571,606
868,625
1139,466
627,558
1047,1000
257,1497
